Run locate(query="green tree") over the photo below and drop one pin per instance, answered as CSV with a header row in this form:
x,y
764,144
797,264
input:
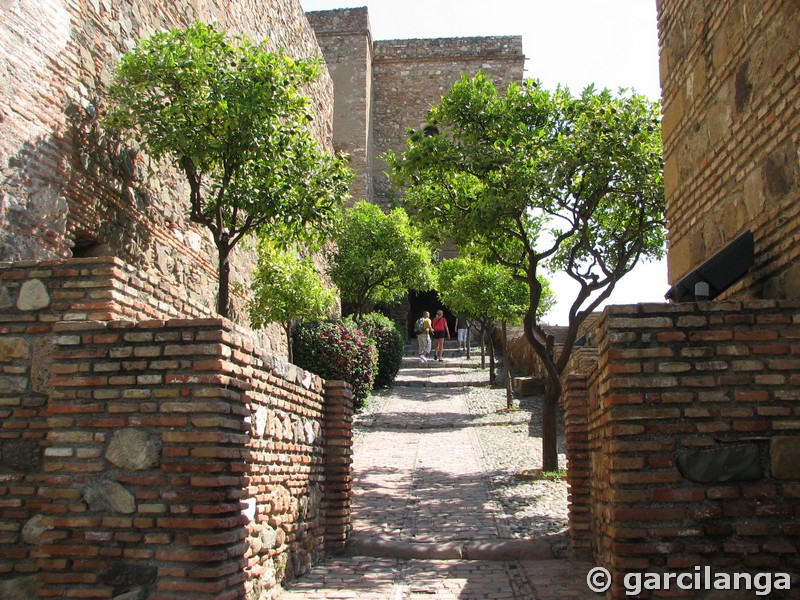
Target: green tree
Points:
x,y
379,257
543,180
287,287
487,294
231,116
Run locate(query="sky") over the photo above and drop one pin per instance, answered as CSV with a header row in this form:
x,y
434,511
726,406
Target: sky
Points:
x,y
573,43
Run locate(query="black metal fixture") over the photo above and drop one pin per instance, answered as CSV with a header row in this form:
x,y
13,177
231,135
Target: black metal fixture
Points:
x,y
718,273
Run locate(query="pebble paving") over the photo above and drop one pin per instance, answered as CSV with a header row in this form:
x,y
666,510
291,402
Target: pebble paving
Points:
x,y
420,486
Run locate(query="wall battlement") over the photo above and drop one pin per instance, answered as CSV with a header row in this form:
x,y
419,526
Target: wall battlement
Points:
x,y
459,49
340,21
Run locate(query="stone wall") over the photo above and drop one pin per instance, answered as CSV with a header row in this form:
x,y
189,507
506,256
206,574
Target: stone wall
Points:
x,y
412,75
169,458
730,77
684,440
70,190
383,88
346,42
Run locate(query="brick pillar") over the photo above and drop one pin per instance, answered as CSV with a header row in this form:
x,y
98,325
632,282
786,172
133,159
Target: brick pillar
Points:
x,y
576,409
338,488
145,465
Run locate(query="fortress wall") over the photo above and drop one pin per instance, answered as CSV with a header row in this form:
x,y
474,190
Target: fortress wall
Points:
x,y
731,99
410,76
66,188
346,42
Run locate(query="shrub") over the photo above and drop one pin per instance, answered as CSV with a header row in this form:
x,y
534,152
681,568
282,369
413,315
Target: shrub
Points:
x,y
390,345
338,350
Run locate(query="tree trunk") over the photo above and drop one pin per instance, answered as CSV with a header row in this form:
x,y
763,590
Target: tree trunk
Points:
x,y
223,296
507,370
550,429
550,418
482,338
490,345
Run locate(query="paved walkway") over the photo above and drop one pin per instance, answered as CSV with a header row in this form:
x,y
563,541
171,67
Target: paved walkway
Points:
x,y
424,523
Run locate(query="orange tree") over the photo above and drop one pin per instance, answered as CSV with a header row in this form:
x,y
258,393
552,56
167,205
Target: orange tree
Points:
x,y
486,294
231,116
542,181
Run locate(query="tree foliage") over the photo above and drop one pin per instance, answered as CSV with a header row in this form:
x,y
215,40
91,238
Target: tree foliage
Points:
x,y
379,257
481,291
287,287
542,180
486,294
232,117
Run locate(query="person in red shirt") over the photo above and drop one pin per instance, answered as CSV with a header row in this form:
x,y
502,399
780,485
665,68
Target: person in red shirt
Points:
x,y
440,332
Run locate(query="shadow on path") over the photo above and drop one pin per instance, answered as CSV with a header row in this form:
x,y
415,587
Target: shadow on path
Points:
x,y
425,524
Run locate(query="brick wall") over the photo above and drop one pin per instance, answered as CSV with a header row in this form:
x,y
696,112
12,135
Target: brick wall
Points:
x,y
731,99
169,457
67,188
688,428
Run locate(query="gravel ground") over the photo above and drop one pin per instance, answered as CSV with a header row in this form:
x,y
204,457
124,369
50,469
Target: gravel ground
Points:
x,y
512,450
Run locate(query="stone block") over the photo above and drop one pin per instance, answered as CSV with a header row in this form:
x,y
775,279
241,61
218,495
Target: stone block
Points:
x,y
528,386
33,529
109,496
734,462
21,455
133,450
784,456
21,588
13,348
6,301
127,574
33,296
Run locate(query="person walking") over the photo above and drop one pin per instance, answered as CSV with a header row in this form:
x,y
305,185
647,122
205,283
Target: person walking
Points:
x,y
423,330
462,329
440,332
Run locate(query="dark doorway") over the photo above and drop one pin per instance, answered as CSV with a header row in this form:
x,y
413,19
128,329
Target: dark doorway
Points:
x,y
429,301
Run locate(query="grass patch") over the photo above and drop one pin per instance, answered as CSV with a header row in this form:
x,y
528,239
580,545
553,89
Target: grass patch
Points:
x,y
539,475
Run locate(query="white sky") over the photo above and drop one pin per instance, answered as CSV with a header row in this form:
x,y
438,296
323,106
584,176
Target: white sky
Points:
x,y
612,43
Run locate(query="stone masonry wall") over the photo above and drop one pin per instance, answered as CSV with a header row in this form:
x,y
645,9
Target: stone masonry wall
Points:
x,y
346,42
410,76
69,190
730,74
688,428
386,87
165,458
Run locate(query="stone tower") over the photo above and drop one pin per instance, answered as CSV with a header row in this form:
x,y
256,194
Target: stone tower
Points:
x,y
383,88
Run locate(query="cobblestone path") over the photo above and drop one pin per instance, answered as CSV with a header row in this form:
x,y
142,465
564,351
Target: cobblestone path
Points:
x,y
424,522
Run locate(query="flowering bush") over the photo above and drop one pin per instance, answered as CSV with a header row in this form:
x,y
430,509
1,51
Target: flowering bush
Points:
x,y
390,345
338,350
